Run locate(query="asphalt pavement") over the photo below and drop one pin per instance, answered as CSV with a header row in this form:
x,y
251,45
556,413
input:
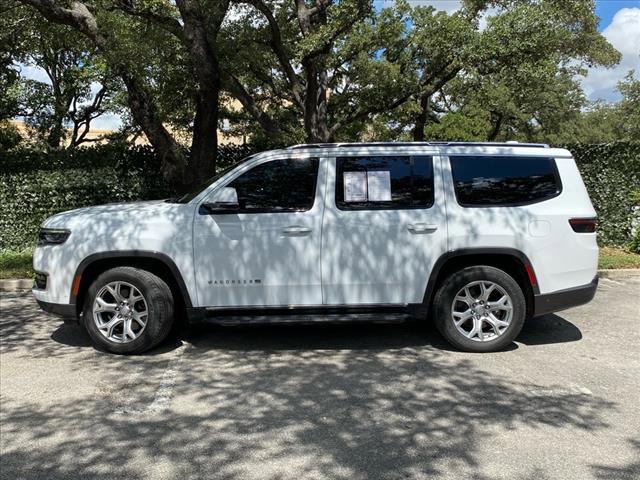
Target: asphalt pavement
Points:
x,y
365,401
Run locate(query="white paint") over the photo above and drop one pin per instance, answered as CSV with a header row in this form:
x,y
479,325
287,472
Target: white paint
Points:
x,y
561,392
162,397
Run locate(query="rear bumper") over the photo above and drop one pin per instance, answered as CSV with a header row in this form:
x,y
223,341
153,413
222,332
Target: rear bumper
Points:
x,y
66,311
563,299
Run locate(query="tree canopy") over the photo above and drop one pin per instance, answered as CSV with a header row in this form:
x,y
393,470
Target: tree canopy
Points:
x,y
290,71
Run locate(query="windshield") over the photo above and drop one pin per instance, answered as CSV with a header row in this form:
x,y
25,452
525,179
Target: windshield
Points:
x,y
187,197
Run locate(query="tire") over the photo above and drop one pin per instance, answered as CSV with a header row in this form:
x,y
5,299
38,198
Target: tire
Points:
x,y
128,292
481,319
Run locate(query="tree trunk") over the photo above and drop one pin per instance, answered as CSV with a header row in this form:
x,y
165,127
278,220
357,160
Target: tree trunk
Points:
x,y
54,138
199,34
497,125
315,105
143,109
204,146
421,118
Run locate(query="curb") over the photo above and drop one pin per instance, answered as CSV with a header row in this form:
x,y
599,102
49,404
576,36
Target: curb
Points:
x,y
15,285
619,273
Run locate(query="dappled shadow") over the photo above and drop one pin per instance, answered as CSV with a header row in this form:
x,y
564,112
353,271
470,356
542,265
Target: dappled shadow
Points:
x,y
394,413
275,402
630,471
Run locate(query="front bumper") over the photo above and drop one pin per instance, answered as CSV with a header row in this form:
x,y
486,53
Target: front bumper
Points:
x,y
66,311
563,299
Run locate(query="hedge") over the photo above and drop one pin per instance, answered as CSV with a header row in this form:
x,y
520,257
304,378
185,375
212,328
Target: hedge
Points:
x,y
35,185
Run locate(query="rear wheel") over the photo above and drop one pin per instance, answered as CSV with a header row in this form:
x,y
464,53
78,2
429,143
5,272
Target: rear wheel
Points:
x,y
480,309
128,310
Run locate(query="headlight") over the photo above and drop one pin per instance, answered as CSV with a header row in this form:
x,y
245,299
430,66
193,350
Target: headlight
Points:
x,y
52,236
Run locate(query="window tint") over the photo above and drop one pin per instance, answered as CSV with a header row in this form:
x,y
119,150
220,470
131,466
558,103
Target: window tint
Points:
x,y
278,186
367,183
486,180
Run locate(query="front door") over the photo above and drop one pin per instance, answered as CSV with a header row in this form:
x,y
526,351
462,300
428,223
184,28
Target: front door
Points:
x,y
267,252
384,228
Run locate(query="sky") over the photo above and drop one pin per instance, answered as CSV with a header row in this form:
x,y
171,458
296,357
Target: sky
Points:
x,y
619,23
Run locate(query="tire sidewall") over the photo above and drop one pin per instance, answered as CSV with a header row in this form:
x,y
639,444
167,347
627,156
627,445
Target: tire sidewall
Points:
x,y
450,288
159,307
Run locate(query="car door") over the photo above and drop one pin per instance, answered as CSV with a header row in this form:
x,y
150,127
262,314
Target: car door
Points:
x,y
267,250
384,228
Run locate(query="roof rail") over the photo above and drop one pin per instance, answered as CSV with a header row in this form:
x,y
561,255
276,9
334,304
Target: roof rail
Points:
x,y
509,143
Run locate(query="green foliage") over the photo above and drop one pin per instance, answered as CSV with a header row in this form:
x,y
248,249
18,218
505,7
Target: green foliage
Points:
x,y
35,185
634,246
611,173
9,136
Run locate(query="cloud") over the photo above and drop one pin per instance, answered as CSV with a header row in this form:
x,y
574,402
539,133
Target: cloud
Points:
x,y
624,34
33,72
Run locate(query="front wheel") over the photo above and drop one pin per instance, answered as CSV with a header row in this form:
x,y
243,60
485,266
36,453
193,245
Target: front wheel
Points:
x,y
480,309
128,310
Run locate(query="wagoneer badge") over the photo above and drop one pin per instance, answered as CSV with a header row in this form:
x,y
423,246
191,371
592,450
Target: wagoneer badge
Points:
x,y
234,283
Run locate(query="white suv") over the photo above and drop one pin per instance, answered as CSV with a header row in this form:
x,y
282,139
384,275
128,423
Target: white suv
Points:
x,y
476,236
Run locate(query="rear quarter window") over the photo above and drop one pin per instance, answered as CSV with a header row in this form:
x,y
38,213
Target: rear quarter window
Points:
x,y
486,181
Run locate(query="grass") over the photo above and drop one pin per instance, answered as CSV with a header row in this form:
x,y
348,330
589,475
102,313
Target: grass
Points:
x,y
15,264
18,264
617,258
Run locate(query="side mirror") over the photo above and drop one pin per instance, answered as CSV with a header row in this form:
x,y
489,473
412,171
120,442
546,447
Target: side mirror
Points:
x,y
224,200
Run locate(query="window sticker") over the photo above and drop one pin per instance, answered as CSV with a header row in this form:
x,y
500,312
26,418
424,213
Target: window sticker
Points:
x,y
379,186
355,186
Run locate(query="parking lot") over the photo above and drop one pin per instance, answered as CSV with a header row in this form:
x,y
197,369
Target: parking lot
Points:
x,y
343,402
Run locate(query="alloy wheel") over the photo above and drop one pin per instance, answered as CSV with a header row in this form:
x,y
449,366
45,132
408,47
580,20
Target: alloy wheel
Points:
x,y
120,312
482,311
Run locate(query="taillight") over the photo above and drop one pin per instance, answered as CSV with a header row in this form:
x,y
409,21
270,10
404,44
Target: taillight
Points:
x,y
583,225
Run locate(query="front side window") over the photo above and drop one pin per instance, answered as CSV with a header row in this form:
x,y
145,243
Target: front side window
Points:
x,y
384,182
504,180
287,185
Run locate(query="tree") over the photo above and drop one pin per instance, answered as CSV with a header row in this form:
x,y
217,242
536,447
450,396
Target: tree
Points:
x,y
629,107
331,64
523,43
73,71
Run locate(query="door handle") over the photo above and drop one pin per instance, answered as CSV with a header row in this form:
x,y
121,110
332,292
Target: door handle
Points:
x,y
296,230
421,228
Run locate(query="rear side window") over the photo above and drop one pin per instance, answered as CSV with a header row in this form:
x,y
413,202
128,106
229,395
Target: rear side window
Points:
x,y
384,182
503,180
287,185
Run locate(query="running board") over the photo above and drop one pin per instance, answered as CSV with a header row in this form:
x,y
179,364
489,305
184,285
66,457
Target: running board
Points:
x,y
306,319
300,315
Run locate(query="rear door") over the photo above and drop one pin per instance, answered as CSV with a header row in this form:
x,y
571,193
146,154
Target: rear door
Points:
x,y
384,227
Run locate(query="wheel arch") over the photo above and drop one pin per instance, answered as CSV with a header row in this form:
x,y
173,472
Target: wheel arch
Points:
x,y
155,262
512,261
